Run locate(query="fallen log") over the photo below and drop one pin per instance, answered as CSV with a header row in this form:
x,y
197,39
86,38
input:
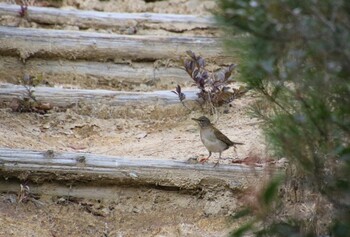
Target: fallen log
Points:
x,y
61,97
139,23
87,74
43,166
27,42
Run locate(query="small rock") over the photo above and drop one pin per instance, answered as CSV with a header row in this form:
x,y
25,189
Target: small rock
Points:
x,y
12,198
105,211
192,160
141,135
282,162
46,126
135,210
133,175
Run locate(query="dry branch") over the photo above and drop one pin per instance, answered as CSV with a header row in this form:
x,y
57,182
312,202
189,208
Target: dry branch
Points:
x,y
25,43
68,97
41,166
109,20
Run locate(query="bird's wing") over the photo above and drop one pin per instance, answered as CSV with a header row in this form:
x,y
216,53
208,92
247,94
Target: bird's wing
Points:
x,y
222,137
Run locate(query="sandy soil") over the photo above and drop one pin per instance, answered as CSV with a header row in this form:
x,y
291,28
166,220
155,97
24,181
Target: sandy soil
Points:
x,y
196,7
171,6
153,133
133,212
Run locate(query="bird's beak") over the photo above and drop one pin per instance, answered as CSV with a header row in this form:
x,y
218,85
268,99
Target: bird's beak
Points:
x,y
195,119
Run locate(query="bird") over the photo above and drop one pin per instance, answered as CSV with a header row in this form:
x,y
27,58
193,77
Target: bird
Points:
x,y
213,139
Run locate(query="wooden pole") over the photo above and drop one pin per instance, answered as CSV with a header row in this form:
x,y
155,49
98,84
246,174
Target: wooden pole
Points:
x,y
110,20
61,97
88,74
72,45
43,166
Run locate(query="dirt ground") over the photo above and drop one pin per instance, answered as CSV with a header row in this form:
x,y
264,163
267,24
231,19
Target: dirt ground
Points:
x,y
195,7
143,132
150,132
133,212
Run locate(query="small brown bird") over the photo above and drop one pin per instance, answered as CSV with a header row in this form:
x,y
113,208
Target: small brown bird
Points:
x,y
212,138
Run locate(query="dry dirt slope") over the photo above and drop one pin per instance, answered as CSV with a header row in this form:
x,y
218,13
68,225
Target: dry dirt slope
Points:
x,y
127,211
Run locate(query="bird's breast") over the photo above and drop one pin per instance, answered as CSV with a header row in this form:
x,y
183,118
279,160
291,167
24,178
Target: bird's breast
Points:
x,y
211,142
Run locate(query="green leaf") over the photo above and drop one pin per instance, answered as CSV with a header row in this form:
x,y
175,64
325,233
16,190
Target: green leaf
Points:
x,y
242,213
242,230
270,192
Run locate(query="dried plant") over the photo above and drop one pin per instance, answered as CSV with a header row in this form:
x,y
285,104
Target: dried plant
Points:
x,y
214,91
28,83
23,194
181,95
24,4
213,85
178,92
28,102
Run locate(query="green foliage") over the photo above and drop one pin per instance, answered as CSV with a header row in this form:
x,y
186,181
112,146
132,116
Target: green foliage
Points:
x,y
270,191
242,213
296,54
242,230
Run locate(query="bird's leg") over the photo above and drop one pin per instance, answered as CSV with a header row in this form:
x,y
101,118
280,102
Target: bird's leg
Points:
x,y
217,163
205,159
235,150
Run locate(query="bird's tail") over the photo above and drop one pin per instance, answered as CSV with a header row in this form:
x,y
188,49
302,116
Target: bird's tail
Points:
x,y
237,143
